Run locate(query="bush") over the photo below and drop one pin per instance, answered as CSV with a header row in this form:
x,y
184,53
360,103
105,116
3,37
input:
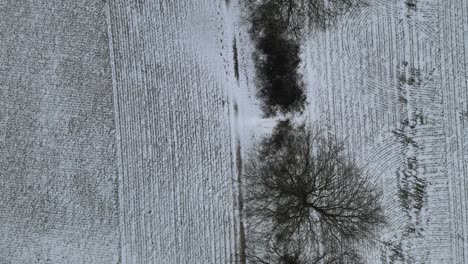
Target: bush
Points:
x,y
279,85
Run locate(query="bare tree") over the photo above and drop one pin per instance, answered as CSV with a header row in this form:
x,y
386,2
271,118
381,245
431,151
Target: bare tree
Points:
x,y
295,14
268,248
299,182
299,250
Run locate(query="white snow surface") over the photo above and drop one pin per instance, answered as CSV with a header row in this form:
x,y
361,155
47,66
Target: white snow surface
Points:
x,y
390,81
57,163
177,127
138,102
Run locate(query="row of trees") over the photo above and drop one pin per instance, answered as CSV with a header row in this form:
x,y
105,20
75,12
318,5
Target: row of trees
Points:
x,y
276,28
306,201
277,60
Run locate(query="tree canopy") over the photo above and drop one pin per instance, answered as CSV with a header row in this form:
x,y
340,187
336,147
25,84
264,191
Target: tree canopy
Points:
x,y
300,185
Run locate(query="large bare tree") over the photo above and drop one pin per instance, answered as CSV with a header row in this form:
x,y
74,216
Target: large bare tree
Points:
x,y
299,182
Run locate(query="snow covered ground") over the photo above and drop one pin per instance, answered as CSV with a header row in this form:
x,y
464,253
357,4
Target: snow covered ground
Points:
x,y
57,162
174,85
391,81
123,126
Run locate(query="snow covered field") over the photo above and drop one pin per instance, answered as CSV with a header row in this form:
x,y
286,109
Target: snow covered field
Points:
x,y
57,162
391,81
173,75
123,125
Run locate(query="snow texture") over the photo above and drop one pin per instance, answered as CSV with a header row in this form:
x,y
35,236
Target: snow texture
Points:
x,y
390,80
57,164
173,76
123,125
